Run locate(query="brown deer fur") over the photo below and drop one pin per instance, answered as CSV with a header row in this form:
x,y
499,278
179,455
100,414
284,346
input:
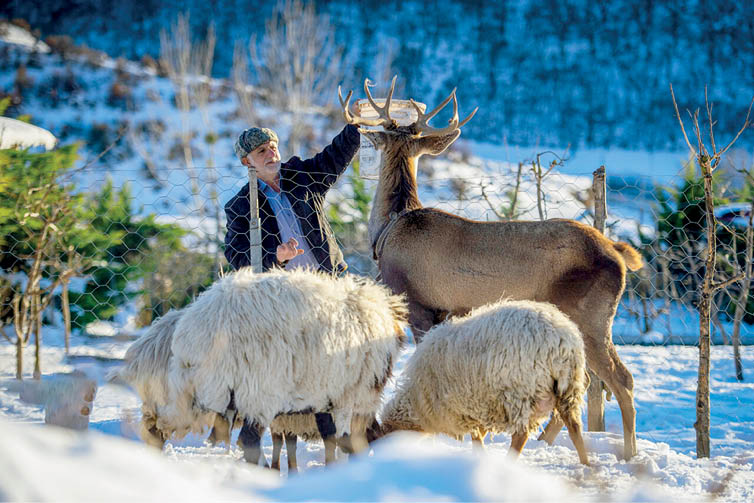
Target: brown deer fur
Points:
x,y
447,265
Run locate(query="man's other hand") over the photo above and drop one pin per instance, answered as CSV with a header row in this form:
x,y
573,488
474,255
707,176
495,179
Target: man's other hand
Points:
x,y
289,250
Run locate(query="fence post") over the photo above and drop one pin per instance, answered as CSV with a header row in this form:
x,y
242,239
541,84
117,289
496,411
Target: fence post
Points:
x,y
595,403
255,230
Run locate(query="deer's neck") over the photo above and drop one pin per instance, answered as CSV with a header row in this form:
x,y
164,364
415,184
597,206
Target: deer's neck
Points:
x,y
397,190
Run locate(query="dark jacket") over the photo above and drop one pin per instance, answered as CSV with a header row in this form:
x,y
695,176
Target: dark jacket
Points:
x,y
306,184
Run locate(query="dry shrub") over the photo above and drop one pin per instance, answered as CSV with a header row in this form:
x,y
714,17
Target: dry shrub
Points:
x,y
23,81
62,45
120,95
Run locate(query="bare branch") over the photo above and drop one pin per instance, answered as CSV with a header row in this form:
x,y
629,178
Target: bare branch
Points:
x,y
725,284
747,123
680,121
489,203
709,120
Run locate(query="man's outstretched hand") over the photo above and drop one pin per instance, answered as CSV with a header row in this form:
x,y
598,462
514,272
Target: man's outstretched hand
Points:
x,y
289,250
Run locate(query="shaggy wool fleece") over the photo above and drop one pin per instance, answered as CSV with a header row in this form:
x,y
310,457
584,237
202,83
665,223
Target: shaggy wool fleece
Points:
x,y
147,362
500,368
285,341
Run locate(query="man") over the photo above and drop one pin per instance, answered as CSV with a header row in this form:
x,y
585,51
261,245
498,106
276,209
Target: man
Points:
x,y
295,231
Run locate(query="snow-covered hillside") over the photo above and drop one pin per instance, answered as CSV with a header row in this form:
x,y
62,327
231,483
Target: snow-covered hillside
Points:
x,y
128,111
553,73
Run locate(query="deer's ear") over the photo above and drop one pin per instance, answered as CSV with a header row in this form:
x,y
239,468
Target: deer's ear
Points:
x,y
378,138
434,145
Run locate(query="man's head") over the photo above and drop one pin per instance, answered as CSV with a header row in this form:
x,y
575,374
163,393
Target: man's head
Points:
x,y
258,147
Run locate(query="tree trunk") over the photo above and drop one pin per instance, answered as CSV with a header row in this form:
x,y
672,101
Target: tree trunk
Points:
x,y
66,316
19,356
743,297
702,425
595,402
37,337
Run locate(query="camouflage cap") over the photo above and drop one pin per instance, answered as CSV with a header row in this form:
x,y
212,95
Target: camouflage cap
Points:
x,y
251,138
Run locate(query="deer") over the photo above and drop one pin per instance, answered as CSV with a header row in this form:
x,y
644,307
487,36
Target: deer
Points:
x,y
446,264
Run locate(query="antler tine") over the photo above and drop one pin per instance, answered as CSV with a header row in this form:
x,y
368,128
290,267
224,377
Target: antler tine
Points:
x,y
389,98
383,111
467,119
422,122
344,104
360,121
439,107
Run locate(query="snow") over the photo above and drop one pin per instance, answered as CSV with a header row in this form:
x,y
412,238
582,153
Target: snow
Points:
x,y
108,462
19,36
18,134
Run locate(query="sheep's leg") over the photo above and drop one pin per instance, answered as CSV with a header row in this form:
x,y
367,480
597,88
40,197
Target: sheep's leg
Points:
x,y
220,431
551,430
277,446
326,427
359,441
290,448
353,443
151,434
477,440
518,441
250,441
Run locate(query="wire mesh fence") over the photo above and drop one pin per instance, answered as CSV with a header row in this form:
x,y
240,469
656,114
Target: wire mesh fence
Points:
x,y
115,245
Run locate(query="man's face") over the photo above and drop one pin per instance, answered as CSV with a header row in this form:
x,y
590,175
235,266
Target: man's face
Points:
x,y
266,159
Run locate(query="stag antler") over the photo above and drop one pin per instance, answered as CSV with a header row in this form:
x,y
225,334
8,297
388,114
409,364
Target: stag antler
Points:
x,y
421,123
383,120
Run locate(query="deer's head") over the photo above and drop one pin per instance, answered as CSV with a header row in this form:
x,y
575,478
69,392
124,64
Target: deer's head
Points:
x,y
413,140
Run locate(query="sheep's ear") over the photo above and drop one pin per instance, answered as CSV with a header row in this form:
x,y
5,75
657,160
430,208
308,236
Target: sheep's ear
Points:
x,y
378,138
433,145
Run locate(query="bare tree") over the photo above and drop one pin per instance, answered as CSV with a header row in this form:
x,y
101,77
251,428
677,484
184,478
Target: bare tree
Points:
x,y
30,300
708,158
297,62
189,66
239,77
188,63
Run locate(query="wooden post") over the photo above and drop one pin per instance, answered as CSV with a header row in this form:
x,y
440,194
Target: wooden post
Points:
x,y
595,403
255,230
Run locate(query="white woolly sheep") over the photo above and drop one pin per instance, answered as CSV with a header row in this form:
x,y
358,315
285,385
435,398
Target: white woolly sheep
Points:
x,y
146,367
502,367
283,342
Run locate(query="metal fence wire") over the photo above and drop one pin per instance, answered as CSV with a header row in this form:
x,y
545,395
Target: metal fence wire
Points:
x,y
156,244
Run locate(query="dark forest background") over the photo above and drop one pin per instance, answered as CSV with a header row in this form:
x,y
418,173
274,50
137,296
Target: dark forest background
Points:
x,y
553,72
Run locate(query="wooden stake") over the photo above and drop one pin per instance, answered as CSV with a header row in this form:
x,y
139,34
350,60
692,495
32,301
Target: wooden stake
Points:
x,y
255,230
595,402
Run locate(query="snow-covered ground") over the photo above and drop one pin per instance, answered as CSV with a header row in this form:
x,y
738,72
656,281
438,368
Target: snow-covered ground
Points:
x,y
108,462
46,463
